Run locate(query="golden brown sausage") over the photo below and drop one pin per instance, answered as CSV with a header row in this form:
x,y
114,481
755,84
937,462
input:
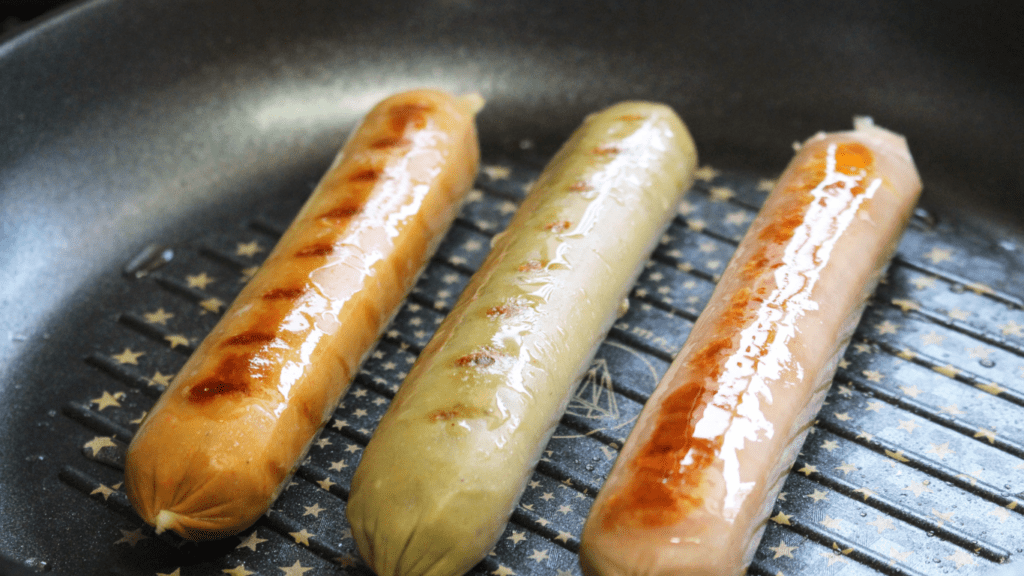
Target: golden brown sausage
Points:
x,y
217,447
445,467
694,484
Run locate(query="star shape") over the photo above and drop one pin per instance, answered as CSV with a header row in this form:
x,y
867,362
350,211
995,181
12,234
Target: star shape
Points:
x,y
918,488
158,316
177,572
516,537
563,536
737,218
843,416
539,555
131,537
104,490
1000,512
160,379
922,282
866,492
765,185
98,443
107,400
938,255
940,450
906,304
238,571
832,557
322,442
296,569
961,558
496,172
1011,328
886,327
882,523
781,518
942,516
912,391
979,352
897,455
832,523
503,571
830,445
783,549
846,468
861,348
958,314
251,541
844,363
844,390
564,509
705,173
948,370
908,425
212,305
865,435
992,388
326,483
697,225
128,357
873,375
301,537
313,510
933,338
201,280
874,406
897,556
176,340
987,434
817,496
248,273
808,469
248,249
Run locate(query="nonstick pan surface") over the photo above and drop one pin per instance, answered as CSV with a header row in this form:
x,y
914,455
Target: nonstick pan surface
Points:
x,y
151,153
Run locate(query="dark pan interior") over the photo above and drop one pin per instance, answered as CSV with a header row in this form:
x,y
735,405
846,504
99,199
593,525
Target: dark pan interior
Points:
x,y
130,125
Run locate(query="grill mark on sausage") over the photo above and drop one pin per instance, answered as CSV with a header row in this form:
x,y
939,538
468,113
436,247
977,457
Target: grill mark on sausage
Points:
x,y
404,115
532,265
251,337
505,310
478,358
343,212
631,117
315,250
365,175
455,411
558,227
389,142
232,376
284,293
579,186
605,150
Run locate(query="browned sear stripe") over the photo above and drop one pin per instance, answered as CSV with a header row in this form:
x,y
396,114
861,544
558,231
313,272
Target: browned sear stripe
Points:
x,y
365,175
482,357
579,186
313,250
342,212
284,293
606,150
558,227
246,338
389,142
231,376
458,410
532,265
409,114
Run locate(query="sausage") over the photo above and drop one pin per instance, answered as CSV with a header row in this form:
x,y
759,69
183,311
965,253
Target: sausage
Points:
x,y
218,446
693,486
441,475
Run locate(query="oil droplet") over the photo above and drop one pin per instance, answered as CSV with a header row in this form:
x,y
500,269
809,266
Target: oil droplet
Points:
x,y
986,362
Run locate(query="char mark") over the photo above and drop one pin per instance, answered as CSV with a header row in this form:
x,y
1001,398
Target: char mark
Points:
x,y
284,293
314,250
248,338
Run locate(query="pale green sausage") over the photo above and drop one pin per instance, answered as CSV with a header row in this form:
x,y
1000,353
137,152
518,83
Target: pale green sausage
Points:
x,y
452,455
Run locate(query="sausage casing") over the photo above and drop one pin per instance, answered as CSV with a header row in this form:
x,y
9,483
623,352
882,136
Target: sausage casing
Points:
x,y
216,449
693,486
452,455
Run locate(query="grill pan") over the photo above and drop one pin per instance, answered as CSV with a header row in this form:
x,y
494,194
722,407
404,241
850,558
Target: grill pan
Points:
x,y
153,152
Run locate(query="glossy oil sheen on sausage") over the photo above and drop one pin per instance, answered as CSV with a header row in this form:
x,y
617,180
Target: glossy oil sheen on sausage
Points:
x,y
694,484
232,427
452,455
